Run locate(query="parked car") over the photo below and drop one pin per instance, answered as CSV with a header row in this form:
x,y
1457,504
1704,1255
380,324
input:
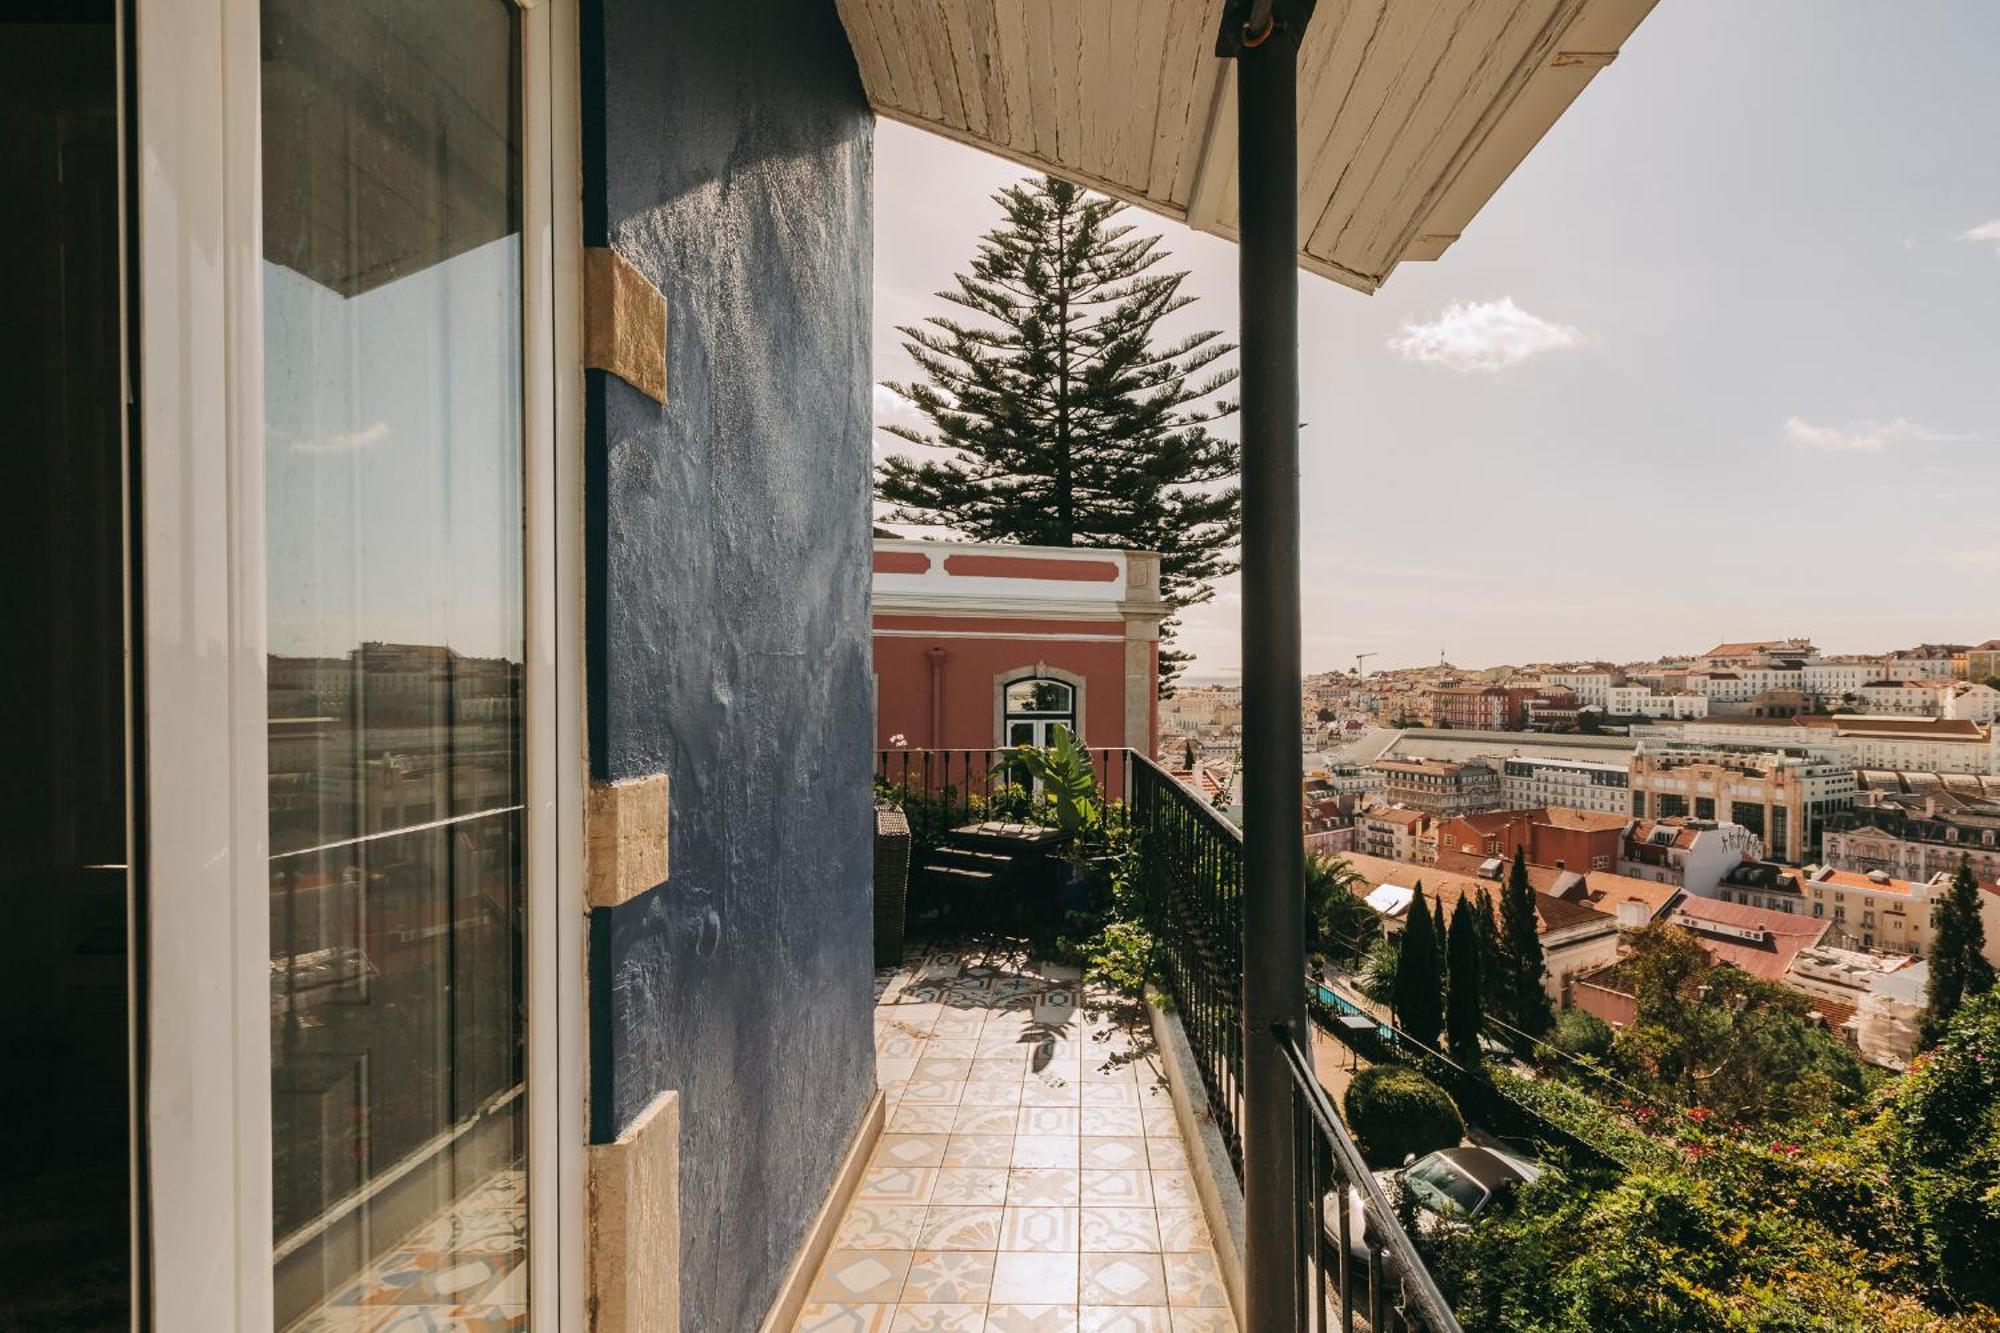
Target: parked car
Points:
x,y
1449,1187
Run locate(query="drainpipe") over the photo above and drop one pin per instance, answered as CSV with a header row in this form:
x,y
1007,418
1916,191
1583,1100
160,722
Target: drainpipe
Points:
x,y
936,659
1263,36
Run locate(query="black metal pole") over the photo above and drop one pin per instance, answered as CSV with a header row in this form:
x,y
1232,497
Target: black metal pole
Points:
x,y
1274,961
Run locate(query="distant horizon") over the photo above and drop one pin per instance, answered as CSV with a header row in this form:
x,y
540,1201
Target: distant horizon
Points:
x,y
1230,676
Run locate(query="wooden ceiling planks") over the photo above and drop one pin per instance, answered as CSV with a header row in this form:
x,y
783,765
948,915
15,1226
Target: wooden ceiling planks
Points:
x,y
1411,111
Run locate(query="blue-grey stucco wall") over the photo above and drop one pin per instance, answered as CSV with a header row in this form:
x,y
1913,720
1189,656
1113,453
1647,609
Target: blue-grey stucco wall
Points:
x,y
728,156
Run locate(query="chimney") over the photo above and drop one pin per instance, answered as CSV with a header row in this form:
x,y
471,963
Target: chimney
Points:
x,y
1561,864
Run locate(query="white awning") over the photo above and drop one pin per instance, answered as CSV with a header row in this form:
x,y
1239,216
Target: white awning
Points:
x,y
1392,900
1411,112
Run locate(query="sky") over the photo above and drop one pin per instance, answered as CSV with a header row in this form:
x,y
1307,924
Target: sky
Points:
x,y
1720,361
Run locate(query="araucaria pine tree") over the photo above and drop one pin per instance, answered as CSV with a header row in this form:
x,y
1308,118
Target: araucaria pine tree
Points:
x,y
1465,1004
1958,966
1419,986
1523,1002
1067,420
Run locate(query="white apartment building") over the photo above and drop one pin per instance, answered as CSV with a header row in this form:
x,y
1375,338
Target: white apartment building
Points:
x,y
1591,688
1875,910
1203,706
1722,686
1898,744
1835,678
1971,701
1527,782
1694,855
1394,832
1932,661
1904,697
1731,689
1642,701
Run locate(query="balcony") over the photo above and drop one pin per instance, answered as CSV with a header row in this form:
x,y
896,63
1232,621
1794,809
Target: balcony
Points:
x,y
1070,1150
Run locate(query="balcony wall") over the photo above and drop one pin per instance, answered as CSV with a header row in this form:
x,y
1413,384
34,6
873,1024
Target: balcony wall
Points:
x,y
728,158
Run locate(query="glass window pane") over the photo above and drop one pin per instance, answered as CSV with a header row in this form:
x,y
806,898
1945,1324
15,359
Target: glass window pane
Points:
x,y
394,521
1039,696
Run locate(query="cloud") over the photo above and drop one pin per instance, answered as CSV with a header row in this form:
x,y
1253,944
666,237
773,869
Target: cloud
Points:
x,y
370,435
1483,336
1863,436
1986,233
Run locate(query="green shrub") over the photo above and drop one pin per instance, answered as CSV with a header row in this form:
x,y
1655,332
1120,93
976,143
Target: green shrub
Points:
x,y
1579,1033
1939,1132
1121,957
1394,1112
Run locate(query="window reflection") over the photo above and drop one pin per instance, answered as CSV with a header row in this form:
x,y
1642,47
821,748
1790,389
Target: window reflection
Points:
x,y
393,527
1033,708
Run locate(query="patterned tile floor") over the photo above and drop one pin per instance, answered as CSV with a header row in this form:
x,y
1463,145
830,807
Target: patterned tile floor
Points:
x,y
460,1273
1031,1175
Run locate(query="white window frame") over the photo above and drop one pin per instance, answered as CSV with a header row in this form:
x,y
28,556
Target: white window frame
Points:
x,y
203,831
1035,671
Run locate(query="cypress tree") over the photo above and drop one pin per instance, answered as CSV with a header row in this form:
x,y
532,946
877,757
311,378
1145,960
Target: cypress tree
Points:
x,y
1065,421
1523,1001
1419,988
1486,923
1465,1005
1439,933
1958,966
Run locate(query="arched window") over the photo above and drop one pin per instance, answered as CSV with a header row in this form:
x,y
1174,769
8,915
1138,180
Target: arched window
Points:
x,y
1033,707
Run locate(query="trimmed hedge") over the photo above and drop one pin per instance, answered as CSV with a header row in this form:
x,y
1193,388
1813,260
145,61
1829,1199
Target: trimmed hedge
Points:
x,y
1394,1112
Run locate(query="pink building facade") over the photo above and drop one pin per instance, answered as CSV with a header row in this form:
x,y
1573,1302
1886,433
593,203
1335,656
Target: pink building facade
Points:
x,y
979,646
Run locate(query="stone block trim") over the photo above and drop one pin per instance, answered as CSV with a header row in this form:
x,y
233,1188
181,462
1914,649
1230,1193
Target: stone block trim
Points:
x,y
624,323
635,1225
626,839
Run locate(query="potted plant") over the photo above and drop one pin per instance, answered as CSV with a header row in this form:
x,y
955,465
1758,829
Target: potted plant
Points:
x,y
1065,785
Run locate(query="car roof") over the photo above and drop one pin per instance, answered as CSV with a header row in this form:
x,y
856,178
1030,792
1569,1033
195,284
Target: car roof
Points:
x,y
1487,1168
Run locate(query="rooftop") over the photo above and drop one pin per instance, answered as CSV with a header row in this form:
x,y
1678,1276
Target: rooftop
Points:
x,y
1760,941
1552,913
1601,889
1870,881
1755,646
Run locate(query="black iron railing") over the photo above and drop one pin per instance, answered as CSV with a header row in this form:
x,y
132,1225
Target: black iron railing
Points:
x,y
1355,1261
1191,873
966,785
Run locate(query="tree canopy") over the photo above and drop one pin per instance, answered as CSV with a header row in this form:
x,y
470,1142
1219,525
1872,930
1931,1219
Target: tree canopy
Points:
x,y
1523,1001
1419,974
1958,966
1066,418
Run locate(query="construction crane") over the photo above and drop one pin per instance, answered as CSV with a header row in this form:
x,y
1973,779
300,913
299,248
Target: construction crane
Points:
x,y
1359,658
